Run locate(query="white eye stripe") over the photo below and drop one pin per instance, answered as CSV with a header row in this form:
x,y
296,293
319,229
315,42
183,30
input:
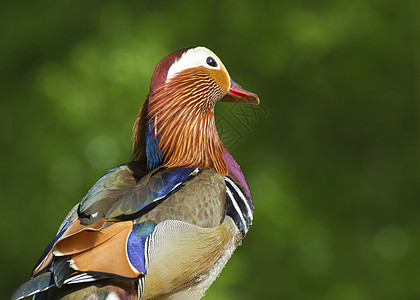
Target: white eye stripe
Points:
x,y
193,58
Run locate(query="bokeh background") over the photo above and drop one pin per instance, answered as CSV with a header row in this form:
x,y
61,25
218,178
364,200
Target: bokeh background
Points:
x,y
332,156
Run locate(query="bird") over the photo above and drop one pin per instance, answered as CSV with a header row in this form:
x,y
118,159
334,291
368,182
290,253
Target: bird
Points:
x,y
164,224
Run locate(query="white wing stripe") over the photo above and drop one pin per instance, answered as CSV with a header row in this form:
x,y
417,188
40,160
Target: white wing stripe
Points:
x,y
83,277
236,206
244,199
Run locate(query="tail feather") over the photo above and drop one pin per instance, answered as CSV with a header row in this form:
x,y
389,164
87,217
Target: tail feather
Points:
x,y
60,270
33,286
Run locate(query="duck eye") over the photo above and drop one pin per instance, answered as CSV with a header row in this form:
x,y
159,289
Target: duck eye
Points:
x,y
211,62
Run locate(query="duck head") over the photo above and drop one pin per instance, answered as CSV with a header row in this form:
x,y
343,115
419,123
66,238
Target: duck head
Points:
x,y
175,126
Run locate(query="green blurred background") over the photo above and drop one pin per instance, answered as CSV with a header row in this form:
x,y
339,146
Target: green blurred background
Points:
x,y
332,158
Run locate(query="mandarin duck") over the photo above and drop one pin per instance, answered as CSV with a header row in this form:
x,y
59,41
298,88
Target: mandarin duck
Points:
x,y
163,225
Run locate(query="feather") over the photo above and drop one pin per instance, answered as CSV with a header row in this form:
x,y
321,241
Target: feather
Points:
x,y
80,278
186,252
33,286
136,244
108,258
60,270
86,239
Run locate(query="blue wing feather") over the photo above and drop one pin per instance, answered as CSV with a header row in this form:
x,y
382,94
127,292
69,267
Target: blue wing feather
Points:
x,y
136,244
120,193
170,180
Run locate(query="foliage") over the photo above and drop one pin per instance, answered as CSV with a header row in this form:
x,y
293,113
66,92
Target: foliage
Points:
x,y
333,160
